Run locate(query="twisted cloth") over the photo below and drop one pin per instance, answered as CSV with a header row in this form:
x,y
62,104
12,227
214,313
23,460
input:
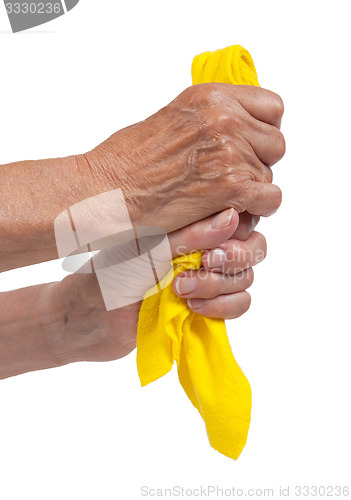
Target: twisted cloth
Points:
x,y
169,331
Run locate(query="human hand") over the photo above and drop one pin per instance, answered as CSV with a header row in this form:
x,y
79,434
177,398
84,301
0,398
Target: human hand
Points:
x,y
218,289
209,149
90,333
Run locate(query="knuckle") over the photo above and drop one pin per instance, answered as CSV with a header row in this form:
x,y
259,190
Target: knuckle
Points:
x,y
223,119
209,93
244,193
277,198
280,144
214,123
250,277
201,96
190,236
209,124
278,105
268,175
262,245
250,193
241,306
212,101
246,302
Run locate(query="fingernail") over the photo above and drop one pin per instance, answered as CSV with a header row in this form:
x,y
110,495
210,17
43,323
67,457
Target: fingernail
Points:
x,y
195,303
223,219
185,285
216,257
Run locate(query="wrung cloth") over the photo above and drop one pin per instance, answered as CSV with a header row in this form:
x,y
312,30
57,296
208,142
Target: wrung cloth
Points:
x,y
168,331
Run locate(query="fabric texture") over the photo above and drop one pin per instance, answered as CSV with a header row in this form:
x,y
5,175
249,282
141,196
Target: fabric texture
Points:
x,y
169,331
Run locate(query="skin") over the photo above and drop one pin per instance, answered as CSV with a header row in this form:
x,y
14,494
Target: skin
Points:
x,y
59,323
211,135
210,151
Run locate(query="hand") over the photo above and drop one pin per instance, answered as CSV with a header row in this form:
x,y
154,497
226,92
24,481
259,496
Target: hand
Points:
x,y
218,290
209,149
90,333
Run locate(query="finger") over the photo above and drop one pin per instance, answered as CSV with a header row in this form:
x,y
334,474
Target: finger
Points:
x,y
247,224
207,285
268,143
265,199
224,306
205,233
262,104
233,256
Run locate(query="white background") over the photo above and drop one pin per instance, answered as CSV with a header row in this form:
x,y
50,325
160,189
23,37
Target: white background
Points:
x,y
88,430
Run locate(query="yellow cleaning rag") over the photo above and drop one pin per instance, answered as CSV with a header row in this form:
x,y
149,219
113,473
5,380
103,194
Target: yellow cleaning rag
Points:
x,y
168,331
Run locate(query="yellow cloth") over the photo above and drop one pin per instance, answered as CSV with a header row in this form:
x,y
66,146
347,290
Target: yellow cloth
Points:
x,y
168,330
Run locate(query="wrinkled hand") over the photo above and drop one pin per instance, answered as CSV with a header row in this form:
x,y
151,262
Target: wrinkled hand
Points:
x,y
210,149
90,333
218,289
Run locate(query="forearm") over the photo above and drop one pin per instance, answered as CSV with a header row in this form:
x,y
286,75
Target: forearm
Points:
x,y
29,331
32,195
202,153
47,326
52,325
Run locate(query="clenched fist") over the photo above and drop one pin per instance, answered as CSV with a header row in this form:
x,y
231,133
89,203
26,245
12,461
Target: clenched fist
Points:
x,y
209,149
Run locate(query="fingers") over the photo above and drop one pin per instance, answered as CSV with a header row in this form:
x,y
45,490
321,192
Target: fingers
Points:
x,y
265,199
268,143
205,233
262,104
266,108
233,256
207,285
224,306
247,224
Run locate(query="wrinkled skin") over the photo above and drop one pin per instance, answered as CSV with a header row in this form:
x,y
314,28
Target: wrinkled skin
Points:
x,y
89,333
211,148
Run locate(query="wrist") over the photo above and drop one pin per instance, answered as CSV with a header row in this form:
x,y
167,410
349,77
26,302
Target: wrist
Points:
x,y
78,310
107,168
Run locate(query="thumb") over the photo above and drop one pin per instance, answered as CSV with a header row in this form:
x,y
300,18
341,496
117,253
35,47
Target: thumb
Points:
x,y
205,233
